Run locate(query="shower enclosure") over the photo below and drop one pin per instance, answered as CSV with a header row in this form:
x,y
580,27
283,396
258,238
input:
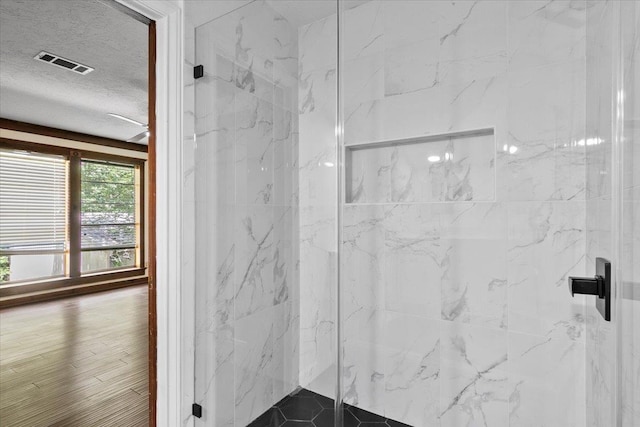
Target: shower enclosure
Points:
x,y
387,199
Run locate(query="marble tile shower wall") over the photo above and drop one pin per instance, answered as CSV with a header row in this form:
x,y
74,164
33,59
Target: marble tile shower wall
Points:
x,y
246,216
457,308
317,48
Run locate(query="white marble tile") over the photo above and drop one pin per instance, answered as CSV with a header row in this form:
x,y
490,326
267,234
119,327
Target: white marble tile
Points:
x,y
255,262
546,245
543,157
412,373
417,67
316,93
547,103
363,80
414,258
411,68
254,365
254,150
323,383
478,104
600,370
285,40
364,379
283,257
442,109
364,324
317,147
447,261
364,30
252,48
214,144
246,79
215,376
318,243
363,258
473,376
284,169
318,45
598,165
471,29
409,21
455,169
286,341
474,272
540,170
598,231
368,175
546,378
543,32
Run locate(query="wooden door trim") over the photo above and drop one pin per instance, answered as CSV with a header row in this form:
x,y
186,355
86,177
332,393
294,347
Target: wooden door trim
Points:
x,y
151,246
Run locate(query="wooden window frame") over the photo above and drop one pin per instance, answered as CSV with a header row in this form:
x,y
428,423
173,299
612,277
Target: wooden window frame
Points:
x,y
74,275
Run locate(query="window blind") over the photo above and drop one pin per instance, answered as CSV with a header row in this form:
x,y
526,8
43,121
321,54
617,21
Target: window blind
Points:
x,y
33,206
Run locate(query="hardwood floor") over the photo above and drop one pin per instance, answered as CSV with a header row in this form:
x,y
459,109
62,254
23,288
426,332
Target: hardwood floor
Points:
x,y
79,361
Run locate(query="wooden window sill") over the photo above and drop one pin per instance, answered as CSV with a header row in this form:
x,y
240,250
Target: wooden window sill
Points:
x,y
49,285
69,291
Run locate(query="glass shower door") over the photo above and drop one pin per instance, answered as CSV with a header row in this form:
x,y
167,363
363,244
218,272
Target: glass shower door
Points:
x,y
265,207
247,304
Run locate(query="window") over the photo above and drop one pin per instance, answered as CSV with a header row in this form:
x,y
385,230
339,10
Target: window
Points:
x,y
68,214
109,225
33,212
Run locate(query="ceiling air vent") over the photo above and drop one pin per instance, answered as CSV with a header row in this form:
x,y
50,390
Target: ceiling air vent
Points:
x,y
67,64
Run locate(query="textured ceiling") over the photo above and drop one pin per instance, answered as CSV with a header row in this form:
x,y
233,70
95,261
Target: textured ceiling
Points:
x,y
85,31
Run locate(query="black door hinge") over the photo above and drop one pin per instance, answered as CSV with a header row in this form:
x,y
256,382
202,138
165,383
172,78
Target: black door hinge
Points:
x,y
196,410
198,71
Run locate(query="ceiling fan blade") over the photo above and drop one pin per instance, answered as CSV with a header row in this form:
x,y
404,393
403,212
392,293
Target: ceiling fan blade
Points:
x,y
139,137
127,119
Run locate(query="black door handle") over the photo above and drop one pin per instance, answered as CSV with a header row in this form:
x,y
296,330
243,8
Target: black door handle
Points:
x,y
599,285
587,286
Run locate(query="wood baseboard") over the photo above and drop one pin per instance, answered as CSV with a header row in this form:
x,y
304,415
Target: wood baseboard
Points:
x,y
34,297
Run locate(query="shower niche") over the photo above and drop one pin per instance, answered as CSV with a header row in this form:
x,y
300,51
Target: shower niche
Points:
x,y
458,166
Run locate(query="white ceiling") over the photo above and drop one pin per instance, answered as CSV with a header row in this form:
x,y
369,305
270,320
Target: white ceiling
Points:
x,y
85,31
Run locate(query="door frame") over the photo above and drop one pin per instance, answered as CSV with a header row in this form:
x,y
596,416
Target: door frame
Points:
x,y
166,328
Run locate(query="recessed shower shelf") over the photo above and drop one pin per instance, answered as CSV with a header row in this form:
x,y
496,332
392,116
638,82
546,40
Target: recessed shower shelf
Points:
x,y
457,166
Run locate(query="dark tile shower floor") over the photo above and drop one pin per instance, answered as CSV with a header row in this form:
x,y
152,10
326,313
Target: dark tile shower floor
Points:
x,y
308,409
